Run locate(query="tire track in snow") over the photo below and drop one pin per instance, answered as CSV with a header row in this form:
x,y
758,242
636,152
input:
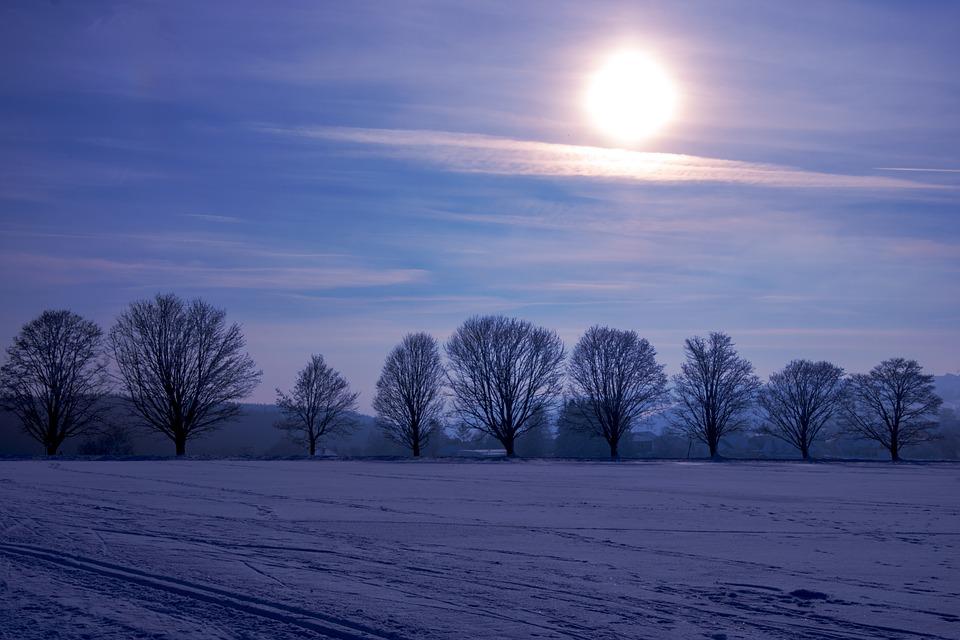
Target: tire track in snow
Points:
x,y
789,622
323,624
652,608
442,574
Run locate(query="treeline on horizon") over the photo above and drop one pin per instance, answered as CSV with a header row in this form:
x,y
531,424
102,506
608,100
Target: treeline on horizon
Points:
x,y
182,369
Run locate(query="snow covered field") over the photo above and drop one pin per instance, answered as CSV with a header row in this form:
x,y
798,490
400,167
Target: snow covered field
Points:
x,y
348,549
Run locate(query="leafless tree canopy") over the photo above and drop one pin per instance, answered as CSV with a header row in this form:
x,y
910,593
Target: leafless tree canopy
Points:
x,y
55,377
319,404
616,376
502,372
714,390
182,366
800,400
895,404
409,400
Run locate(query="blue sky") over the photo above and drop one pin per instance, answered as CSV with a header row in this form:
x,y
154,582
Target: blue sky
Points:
x,y
338,174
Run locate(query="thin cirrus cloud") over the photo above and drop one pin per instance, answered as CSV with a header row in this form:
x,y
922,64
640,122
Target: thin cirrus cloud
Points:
x,y
212,218
918,169
58,270
476,153
211,243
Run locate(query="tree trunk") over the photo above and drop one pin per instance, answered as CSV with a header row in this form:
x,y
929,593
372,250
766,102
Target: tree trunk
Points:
x,y
805,452
181,443
52,448
614,449
508,447
313,447
713,439
416,449
894,447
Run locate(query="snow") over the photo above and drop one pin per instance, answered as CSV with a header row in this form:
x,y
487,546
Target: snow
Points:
x,y
478,549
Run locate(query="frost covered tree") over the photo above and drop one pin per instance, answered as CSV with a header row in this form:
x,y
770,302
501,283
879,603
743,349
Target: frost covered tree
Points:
x,y
799,401
895,405
713,391
409,400
182,366
616,376
55,377
502,372
320,404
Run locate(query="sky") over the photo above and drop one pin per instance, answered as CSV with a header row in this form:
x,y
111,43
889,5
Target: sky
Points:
x,y
336,175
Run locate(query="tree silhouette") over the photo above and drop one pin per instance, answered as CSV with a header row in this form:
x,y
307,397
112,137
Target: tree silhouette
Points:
x,y
55,377
800,400
183,367
502,372
318,405
616,375
409,400
895,405
713,391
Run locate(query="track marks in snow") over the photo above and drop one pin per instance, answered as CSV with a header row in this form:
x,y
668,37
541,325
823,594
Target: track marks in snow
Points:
x,y
325,625
518,550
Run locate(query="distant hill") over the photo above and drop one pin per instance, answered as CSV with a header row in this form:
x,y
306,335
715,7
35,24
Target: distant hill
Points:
x,y
948,387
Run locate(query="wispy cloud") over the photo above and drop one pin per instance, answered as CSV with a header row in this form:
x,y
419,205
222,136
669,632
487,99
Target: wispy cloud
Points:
x,y
412,305
577,286
843,332
475,153
47,269
211,218
189,242
918,169
925,248
34,177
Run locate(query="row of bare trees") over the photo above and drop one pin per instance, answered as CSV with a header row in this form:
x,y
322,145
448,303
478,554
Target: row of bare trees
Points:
x,y
180,365
183,368
503,373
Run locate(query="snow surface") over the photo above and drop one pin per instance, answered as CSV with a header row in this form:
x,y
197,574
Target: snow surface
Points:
x,y
364,549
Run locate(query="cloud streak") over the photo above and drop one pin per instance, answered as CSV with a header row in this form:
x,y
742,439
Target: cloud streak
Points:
x,y
212,218
54,270
918,169
475,153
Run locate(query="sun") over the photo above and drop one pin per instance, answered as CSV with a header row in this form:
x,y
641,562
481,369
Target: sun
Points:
x,y
630,97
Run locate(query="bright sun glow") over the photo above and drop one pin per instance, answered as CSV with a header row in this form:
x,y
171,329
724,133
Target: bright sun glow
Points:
x,y
630,97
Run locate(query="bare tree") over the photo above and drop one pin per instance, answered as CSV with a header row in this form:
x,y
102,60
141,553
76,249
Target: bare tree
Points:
x,y
55,377
895,404
318,405
183,367
800,400
713,391
502,372
616,375
409,400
